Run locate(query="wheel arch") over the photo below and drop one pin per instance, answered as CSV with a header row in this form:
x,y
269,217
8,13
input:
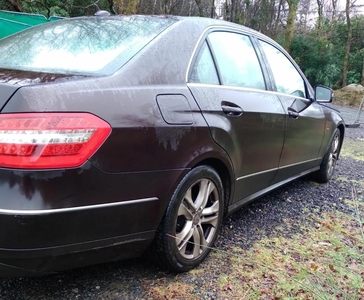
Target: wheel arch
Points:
x,y
341,128
225,175
221,163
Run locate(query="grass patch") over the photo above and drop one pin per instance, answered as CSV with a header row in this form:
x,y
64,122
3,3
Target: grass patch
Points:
x,y
163,289
359,183
353,149
325,263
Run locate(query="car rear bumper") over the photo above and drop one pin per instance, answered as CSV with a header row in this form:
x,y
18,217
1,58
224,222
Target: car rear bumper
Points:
x,y
57,220
39,242
39,262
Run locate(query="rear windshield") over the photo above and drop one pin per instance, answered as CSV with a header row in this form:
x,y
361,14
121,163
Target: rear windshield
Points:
x,y
89,46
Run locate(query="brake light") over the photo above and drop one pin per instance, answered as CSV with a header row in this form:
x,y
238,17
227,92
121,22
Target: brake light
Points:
x,y
50,140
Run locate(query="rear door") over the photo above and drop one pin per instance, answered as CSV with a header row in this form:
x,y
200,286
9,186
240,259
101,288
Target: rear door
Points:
x,y
229,85
305,118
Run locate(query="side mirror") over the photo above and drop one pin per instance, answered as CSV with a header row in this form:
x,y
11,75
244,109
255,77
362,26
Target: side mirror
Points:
x,y
323,94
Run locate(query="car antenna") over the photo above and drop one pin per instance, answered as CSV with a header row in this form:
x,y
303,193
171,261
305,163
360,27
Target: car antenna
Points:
x,y
99,12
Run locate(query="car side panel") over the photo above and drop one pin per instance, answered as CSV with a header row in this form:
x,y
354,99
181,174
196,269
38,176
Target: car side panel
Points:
x,y
141,140
143,158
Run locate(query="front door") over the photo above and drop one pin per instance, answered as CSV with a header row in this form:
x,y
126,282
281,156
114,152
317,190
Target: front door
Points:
x,y
305,118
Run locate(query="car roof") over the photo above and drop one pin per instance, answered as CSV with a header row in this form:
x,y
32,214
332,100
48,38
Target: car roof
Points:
x,y
185,19
201,22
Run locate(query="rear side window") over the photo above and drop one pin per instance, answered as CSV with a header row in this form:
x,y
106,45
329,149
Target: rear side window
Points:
x,y
80,46
204,70
236,60
288,80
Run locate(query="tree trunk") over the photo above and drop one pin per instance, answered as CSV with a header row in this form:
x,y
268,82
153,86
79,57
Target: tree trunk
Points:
x,y
16,5
292,9
278,17
227,11
348,44
118,5
154,5
199,5
362,73
232,11
333,14
112,8
132,7
320,17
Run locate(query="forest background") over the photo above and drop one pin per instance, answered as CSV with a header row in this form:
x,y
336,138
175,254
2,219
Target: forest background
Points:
x,y
325,37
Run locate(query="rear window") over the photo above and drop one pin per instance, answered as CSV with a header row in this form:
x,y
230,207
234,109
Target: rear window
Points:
x,y
89,46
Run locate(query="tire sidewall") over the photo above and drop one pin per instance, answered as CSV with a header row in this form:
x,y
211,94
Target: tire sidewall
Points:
x,y
323,175
196,174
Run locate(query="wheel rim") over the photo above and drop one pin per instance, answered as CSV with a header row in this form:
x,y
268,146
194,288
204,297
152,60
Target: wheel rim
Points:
x,y
333,155
197,218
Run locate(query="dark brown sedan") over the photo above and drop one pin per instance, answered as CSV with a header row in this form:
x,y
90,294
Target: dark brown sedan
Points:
x,y
131,133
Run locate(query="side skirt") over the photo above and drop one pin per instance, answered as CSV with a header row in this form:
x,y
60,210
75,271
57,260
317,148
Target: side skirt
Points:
x,y
232,208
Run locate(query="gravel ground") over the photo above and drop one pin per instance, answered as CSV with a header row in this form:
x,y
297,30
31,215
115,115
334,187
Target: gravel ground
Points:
x,y
134,279
351,115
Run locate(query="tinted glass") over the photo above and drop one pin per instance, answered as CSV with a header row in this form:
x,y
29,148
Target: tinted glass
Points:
x,y
204,68
80,46
288,80
237,60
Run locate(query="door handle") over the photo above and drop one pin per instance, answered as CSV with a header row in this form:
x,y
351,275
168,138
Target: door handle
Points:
x,y
231,109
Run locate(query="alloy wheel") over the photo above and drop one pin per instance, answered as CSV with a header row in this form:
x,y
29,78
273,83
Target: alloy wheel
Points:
x,y
333,156
197,218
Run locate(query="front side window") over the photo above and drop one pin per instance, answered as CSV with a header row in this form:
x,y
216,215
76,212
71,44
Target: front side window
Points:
x,y
236,59
288,80
81,45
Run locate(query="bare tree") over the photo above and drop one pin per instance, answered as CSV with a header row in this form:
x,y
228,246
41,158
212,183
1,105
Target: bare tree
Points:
x,y
278,16
200,9
348,42
333,13
292,10
320,6
304,13
212,11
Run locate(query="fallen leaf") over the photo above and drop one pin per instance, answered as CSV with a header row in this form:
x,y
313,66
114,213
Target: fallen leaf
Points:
x,y
332,268
313,267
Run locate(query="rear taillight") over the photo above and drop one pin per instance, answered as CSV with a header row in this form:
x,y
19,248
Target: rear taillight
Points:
x,y
49,140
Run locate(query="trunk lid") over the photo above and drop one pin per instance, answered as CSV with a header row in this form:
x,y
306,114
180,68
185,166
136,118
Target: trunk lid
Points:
x,y
13,80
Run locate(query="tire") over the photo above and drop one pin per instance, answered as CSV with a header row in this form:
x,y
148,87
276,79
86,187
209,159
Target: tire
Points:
x,y
328,163
191,222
